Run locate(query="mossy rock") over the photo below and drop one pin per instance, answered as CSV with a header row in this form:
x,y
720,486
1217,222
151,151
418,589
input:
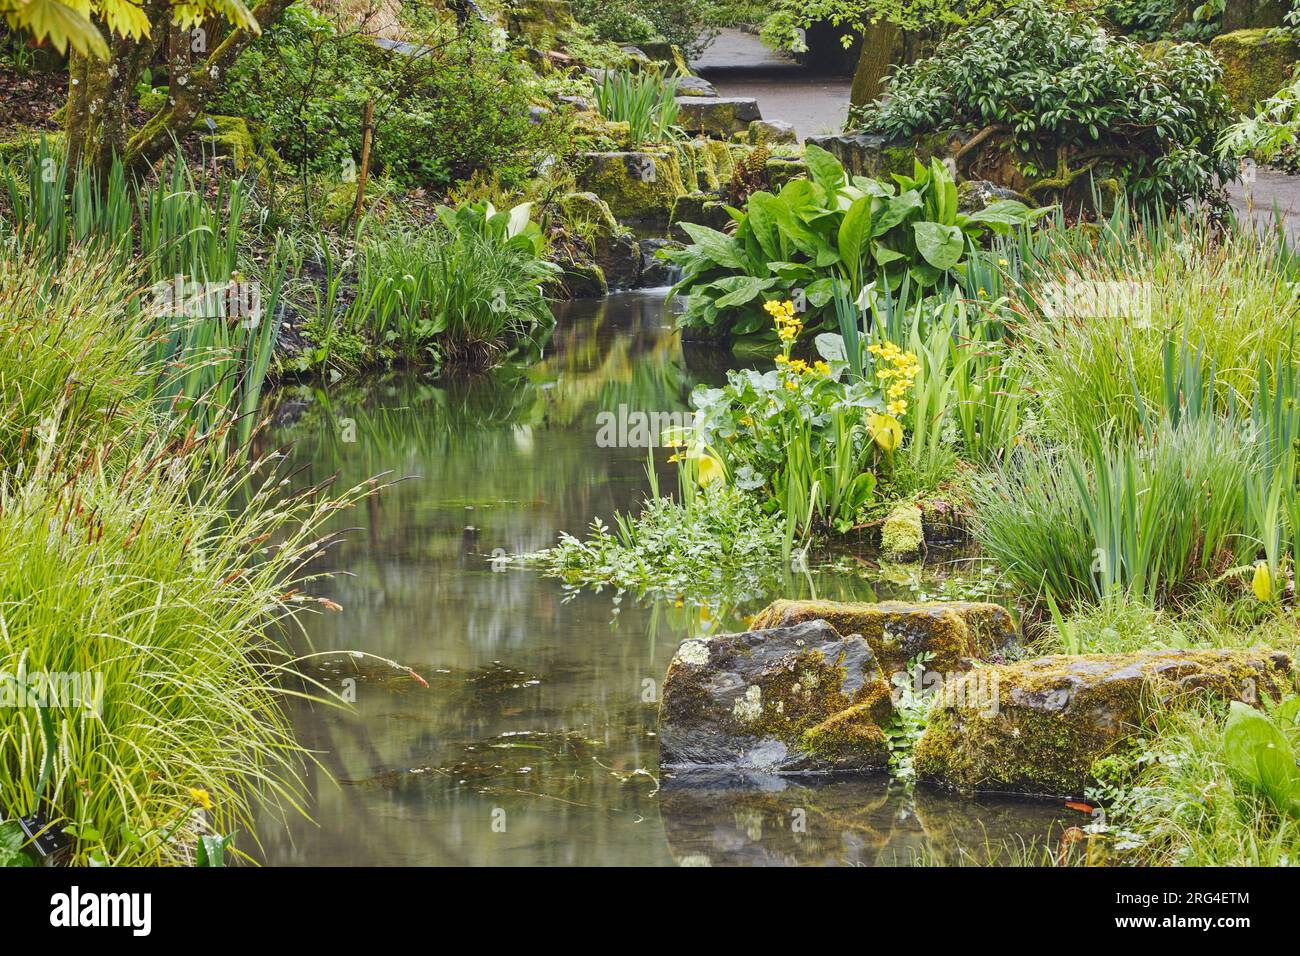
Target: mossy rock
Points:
x,y
701,208
775,700
233,136
952,632
18,142
1038,726
781,169
869,154
639,187
540,23
771,132
720,117
1256,64
151,101
902,537
1246,14
667,55
709,164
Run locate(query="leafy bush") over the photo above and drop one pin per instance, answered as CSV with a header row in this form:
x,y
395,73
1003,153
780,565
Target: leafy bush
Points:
x,y
804,436
685,23
439,118
1073,100
828,227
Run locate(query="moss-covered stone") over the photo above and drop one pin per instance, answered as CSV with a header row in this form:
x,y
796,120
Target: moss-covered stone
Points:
x,y
708,164
668,56
704,209
719,116
902,537
233,136
771,132
1256,64
1246,14
950,631
780,699
781,169
1038,726
639,187
540,23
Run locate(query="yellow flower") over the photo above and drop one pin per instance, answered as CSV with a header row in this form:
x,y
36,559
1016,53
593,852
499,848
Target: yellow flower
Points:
x,y
791,384
822,368
898,407
1262,584
201,798
1003,262
708,470
885,431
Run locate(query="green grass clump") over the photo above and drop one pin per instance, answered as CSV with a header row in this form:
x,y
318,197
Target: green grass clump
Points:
x,y
1180,797
1151,300
70,354
164,579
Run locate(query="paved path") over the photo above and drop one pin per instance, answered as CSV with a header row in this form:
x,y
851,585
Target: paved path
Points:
x,y
1271,191
738,64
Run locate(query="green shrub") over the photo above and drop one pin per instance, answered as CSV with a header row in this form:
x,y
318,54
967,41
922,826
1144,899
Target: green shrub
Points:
x,y
1074,101
439,118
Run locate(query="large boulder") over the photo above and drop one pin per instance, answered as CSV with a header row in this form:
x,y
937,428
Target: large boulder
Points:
x,y
1256,64
704,209
774,700
870,154
1038,726
719,116
951,632
541,23
1245,14
640,187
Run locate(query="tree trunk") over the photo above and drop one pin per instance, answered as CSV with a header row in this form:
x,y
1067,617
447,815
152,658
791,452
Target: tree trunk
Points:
x,y
101,93
882,47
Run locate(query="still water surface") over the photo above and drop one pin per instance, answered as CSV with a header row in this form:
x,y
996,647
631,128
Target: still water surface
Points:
x,y
534,743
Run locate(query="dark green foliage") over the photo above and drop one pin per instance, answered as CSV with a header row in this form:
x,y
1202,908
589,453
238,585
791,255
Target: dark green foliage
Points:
x,y
439,118
1073,100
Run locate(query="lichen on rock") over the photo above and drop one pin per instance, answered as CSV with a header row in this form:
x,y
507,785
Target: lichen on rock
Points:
x,y
1038,726
801,698
951,632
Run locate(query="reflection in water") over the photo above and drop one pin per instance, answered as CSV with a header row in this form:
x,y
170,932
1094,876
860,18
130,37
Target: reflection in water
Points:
x,y
861,821
534,741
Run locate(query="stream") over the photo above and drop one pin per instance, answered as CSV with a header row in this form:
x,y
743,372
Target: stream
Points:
x,y
534,741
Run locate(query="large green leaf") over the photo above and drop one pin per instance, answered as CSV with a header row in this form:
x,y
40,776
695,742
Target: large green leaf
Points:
x,y
739,290
941,246
716,246
855,236
824,169
763,222
894,211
